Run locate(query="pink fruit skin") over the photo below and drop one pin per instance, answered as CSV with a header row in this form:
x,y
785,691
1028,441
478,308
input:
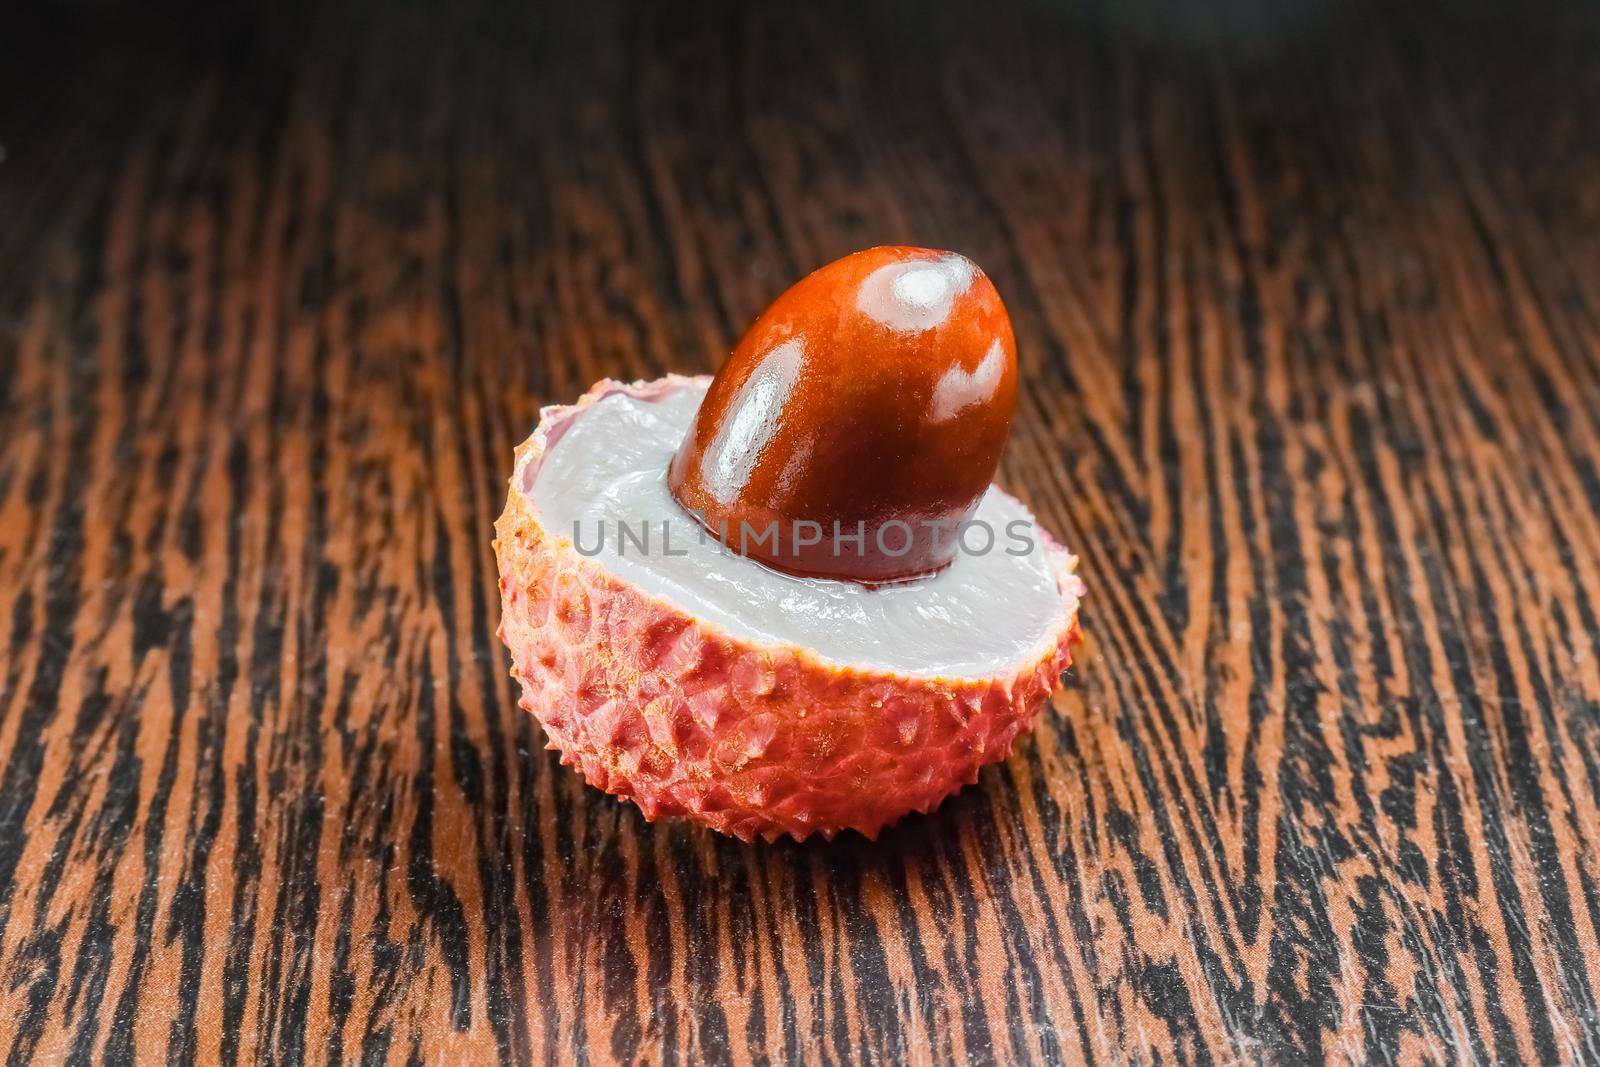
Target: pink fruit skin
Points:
x,y
687,720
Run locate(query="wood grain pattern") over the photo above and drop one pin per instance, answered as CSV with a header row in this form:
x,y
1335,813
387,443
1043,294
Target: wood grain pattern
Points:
x,y
1308,309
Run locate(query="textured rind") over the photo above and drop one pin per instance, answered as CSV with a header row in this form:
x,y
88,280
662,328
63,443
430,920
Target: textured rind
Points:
x,y
751,740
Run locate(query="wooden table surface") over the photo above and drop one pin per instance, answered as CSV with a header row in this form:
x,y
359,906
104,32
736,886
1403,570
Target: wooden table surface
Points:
x,y
1308,307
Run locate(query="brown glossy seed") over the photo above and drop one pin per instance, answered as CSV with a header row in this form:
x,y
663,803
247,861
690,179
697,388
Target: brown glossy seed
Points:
x,y
874,398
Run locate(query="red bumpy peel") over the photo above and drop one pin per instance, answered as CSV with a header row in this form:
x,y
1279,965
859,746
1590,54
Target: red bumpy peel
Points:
x,y
687,720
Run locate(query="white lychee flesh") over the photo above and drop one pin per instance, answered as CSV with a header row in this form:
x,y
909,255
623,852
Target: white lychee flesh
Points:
x,y
608,473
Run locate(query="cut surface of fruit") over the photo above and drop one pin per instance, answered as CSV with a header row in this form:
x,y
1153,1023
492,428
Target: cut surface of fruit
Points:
x,y
603,485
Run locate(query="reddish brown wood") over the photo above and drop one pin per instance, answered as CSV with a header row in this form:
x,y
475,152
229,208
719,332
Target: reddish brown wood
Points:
x,y
1307,308
859,419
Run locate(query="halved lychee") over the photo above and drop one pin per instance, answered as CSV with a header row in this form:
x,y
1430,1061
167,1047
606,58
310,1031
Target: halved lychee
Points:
x,y
738,689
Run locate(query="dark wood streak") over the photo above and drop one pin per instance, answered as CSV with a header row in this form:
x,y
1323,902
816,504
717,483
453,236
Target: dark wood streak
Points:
x,y
1307,300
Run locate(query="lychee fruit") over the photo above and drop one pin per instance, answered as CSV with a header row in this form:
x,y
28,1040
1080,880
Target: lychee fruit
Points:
x,y
788,600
